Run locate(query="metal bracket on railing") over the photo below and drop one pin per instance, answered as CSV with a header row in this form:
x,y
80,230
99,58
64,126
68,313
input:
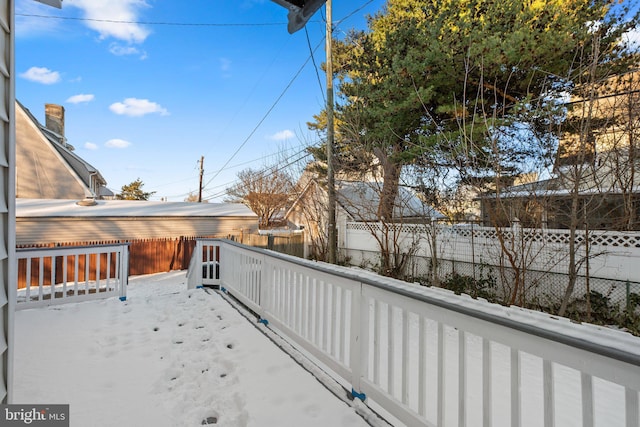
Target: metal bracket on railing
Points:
x,y
357,395
123,298
223,289
265,322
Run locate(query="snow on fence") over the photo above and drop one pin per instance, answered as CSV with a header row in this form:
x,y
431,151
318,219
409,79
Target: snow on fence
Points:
x,y
429,357
58,275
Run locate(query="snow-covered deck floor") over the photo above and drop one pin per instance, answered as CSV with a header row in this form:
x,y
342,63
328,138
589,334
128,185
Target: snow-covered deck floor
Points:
x,y
167,356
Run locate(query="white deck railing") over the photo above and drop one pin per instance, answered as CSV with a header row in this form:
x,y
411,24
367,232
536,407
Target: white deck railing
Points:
x,y
58,275
429,357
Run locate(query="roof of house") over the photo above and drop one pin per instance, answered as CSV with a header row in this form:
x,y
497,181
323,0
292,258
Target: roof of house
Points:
x,y
32,152
50,208
361,199
560,187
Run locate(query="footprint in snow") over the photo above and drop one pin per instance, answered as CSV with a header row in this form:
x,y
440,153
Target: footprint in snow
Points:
x,y
210,420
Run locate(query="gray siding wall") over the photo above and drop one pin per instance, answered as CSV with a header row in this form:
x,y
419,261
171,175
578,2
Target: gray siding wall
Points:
x,y
66,230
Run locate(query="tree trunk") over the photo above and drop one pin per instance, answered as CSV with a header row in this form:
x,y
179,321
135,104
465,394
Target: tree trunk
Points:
x,y
572,269
391,174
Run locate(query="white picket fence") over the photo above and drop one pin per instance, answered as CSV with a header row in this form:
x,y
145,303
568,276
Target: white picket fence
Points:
x,y
71,274
428,357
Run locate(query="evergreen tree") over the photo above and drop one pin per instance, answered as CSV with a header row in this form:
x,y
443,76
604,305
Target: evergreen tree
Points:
x,y
133,191
433,81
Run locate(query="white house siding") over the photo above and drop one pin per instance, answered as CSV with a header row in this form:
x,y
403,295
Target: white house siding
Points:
x,y
7,204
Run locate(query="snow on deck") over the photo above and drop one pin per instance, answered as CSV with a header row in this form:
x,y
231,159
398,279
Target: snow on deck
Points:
x,y
167,356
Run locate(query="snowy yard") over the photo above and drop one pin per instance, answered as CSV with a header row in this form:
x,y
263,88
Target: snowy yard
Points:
x,y
167,356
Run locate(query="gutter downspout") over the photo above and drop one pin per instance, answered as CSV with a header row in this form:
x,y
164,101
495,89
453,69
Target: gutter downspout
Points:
x,y
89,196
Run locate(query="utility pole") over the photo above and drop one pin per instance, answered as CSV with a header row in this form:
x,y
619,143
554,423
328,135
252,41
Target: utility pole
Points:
x,y
201,174
299,13
331,183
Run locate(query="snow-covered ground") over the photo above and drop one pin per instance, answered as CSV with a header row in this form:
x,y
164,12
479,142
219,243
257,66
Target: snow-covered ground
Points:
x,y
167,356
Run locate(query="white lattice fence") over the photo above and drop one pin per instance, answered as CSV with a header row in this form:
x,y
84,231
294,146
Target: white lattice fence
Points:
x,y
610,255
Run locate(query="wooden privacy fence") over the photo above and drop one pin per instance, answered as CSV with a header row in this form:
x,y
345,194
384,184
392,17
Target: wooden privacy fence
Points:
x,y
285,244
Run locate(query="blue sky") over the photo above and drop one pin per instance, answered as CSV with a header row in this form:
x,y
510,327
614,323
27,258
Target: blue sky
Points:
x,y
150,86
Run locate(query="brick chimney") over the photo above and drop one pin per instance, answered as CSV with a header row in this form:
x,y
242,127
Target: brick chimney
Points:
x,y
54,118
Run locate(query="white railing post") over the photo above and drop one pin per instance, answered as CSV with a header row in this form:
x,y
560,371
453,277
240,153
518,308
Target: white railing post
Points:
x,y
265,286
123,278
194,276
359,341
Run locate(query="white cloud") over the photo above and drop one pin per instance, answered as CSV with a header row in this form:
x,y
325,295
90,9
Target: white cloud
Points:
x,y
81,97
225,64
120,50
225,67
28,20
283,135
126,12
117,143
134,107
90,146
633,37
41,75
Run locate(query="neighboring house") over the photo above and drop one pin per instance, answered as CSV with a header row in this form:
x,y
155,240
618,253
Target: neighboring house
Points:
x,y
62,199
548,204
597,167
46,166
356,201
41,221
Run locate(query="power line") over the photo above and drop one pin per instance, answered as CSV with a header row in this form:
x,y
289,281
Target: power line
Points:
x,y
191,178
352,13
315,66
255,129
267,171
304,147
311,57
179,24
176,24
302,150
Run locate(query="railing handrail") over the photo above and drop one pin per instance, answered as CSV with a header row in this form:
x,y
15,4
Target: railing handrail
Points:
x,y
72,248
546,326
